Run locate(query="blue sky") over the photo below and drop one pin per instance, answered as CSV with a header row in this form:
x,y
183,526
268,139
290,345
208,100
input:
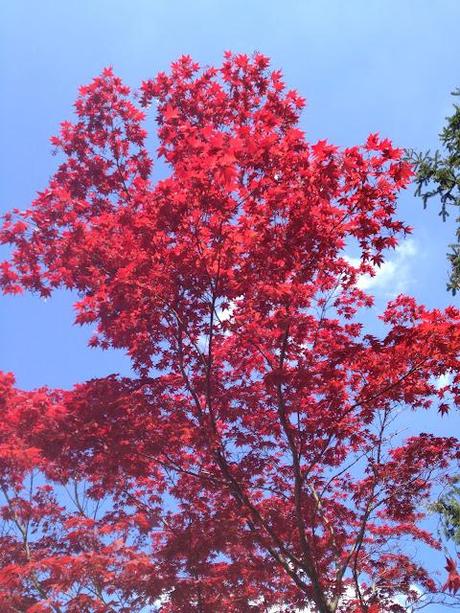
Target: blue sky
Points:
x,y
363,65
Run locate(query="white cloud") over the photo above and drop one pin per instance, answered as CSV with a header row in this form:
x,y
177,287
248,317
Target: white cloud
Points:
x,y
224,314
394,275
443,380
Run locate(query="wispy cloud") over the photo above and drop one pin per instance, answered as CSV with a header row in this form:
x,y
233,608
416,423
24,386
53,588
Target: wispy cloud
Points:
x,y
394,276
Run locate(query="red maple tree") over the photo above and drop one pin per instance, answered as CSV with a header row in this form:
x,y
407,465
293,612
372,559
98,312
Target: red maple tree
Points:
x,y
252,462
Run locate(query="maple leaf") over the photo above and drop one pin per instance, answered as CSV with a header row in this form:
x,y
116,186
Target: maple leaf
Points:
x,y
453,580
170,113
443,408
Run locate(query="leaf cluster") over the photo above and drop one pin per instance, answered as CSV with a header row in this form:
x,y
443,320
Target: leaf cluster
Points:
x,y
437,175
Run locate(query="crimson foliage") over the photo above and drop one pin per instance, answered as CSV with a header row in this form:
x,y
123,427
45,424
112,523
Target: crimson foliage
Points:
x,y
251,464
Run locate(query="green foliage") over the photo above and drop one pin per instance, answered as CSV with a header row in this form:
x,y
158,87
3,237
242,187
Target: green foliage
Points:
x,y
448,507
438,175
